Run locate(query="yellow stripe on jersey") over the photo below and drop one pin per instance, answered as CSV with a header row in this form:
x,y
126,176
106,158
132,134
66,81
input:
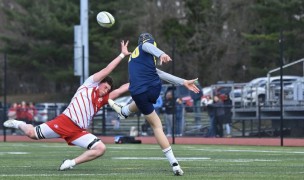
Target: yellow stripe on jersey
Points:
x,y
154,56
135,53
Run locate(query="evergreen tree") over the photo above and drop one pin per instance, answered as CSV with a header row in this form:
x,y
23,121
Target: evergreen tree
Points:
x,y
272,17
41,51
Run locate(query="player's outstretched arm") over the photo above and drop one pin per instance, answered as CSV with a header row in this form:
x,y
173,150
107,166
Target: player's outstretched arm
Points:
x,y
97,77
151,49
189,84
119,91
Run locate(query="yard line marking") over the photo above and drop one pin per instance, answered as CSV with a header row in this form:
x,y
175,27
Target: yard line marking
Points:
x,y
15,145
245,160
162,158
4,153
54,175
192,158
55,146
249,150
15,166
132,148
34,144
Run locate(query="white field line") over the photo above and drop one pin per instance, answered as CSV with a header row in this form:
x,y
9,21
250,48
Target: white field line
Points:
x,y
4,153
121,147
162,158
70,175
191,148
54,175
245,160
196,159
248,150
15,166
34,144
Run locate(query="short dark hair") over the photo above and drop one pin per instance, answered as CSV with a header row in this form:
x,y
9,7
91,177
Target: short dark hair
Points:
x,y
108,80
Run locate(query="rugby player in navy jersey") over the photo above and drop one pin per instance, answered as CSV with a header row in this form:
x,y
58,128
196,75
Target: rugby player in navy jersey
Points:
x,y
145,87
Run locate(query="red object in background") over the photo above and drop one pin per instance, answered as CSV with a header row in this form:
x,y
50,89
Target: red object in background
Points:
x,y
188,101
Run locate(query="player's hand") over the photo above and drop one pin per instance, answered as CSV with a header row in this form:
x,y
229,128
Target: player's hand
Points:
x,y
190,84
164,58
124,48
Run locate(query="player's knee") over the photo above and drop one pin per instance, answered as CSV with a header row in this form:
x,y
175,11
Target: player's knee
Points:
x,y
30,132
99,148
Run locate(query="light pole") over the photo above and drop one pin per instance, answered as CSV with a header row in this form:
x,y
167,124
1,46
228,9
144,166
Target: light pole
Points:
x,y
281,41
4,95
173,94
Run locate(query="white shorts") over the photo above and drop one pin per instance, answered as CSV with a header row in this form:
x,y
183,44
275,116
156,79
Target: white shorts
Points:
x,y
88,141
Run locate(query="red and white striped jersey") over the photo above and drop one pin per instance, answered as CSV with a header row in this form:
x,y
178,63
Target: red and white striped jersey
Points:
x,y
85,103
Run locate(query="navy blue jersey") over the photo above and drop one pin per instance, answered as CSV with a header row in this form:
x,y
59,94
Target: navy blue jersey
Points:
x,y
142,71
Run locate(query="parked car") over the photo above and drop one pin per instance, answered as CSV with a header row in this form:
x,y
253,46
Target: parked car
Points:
x,y
291,91
223,90
238,96
207,91
256,90
48,111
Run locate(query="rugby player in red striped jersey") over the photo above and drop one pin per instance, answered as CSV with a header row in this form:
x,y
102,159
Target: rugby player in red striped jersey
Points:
x,y
71,125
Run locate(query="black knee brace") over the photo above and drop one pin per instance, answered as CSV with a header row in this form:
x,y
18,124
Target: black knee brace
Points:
x,y
93,142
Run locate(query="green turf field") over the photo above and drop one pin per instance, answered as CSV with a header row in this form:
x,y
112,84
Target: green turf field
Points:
x,y
138,161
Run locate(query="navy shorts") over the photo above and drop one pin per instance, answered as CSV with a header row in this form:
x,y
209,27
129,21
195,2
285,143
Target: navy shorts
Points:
x,y
145,100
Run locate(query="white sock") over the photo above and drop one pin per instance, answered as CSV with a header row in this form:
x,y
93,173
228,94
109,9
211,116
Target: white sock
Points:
x,y
73,163
126,111
169,154
18,123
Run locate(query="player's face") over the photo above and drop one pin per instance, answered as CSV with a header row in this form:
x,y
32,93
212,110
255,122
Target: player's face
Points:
x,y
104,88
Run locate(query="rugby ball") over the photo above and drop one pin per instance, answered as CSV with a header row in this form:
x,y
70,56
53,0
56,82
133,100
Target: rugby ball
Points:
x,y
105,19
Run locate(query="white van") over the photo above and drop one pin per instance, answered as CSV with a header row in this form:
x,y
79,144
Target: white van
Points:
x,y
256,90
